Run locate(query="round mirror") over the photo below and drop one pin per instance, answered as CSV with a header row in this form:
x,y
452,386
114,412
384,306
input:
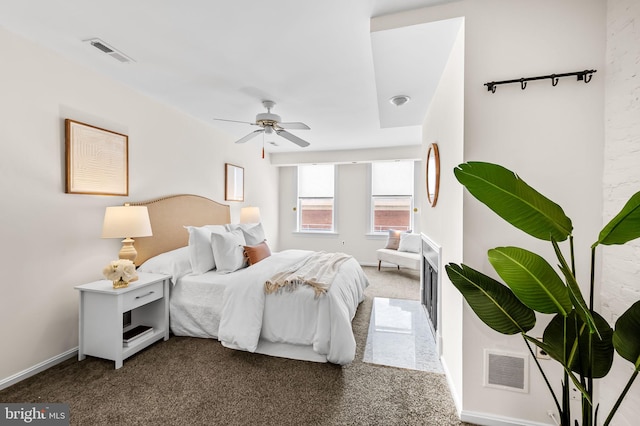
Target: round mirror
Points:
x,y
433,174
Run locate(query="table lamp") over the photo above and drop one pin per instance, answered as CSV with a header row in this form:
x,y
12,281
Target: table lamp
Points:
x,y
249,215
126,222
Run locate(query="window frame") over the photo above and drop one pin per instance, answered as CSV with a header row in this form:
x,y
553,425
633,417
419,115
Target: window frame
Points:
x,y
333,229
372,212
371,227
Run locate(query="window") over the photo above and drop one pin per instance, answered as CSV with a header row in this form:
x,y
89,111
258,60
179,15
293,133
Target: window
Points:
x,y
315,198
391,196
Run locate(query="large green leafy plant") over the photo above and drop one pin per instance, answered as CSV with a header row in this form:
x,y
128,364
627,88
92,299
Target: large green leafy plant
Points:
x,y
577,337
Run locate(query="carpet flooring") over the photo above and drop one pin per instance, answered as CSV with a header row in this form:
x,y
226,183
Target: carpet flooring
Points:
x,y
190,381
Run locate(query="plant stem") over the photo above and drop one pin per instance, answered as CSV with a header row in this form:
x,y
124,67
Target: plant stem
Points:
x,y
591,299
566,399
573,258
620,398
565,417
592,278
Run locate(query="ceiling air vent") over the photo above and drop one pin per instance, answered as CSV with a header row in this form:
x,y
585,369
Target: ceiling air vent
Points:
x,y
109,50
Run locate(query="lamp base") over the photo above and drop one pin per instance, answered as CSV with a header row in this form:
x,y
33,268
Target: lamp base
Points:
x,y
128,251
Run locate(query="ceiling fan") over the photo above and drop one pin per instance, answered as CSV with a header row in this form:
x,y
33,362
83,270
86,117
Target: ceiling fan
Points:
x,y
270,123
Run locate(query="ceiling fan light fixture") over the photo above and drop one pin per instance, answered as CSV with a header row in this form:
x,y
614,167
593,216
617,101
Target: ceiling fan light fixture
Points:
x,y
399,100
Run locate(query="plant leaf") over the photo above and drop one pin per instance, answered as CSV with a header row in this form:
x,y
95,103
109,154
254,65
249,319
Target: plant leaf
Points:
x,y
625,226
494,303
513,200
573,342
532,280
626,338
574,291
555,351
551,350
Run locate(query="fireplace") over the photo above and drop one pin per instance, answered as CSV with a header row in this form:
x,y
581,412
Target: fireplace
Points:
x,y
431,253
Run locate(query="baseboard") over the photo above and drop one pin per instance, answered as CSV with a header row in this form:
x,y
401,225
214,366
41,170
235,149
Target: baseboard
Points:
x,y
31,371
452,390
485,419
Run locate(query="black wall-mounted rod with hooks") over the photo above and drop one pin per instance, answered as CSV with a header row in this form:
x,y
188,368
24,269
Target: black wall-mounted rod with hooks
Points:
x,y
585,76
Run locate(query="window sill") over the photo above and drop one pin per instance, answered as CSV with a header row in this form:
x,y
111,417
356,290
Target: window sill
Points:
x,y
377,235
328,233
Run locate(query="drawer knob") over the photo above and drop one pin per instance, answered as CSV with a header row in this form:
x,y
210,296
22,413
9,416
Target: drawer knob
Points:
x,y
145,295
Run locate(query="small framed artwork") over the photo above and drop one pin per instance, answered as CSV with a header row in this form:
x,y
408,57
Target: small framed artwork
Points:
x,y
233,182
97,160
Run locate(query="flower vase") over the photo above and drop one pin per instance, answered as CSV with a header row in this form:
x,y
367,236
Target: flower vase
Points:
x,y
120,283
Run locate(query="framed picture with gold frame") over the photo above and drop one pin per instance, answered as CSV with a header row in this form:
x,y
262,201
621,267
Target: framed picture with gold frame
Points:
x,y
97,160
233,182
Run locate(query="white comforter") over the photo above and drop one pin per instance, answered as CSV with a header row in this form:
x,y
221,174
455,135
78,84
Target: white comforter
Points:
x,y
244,317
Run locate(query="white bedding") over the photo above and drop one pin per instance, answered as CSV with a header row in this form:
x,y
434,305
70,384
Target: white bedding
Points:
x,y
234,308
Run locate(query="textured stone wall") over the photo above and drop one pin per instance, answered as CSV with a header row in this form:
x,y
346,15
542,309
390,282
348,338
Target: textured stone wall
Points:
x,y
620,284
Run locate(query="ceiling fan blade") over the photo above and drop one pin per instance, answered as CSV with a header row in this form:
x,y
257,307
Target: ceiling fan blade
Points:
x,y
294,126
250,136
292,138
235,121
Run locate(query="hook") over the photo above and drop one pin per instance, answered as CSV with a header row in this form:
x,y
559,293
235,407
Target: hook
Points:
x,y
491,87
587,77
554,80
523,84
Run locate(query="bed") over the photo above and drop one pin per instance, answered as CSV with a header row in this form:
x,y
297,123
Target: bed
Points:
x,y
229,303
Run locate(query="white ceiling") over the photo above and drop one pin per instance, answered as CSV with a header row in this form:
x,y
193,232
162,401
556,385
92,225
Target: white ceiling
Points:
x,y
212,58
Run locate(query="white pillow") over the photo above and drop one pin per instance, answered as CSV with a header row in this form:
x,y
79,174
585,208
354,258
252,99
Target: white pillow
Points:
x,y
234,226
228,251
175,263
410,243
200,253
254,235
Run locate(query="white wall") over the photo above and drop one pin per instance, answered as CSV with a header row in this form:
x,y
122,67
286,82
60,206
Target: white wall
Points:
x,y
620,286
444,125
551,136
51,240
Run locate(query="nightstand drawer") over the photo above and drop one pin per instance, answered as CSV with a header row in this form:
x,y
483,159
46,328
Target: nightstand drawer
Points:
x,y
141,296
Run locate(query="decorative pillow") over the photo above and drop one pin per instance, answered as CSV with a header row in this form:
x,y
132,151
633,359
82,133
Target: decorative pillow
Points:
x,y
393,241
175,263
228,251
256,253
200,253
410,243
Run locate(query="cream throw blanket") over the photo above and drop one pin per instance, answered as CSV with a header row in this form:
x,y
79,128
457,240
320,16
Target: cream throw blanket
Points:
x,y
317,270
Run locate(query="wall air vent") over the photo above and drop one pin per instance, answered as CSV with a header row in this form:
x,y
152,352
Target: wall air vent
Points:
x,y
109,50
506,371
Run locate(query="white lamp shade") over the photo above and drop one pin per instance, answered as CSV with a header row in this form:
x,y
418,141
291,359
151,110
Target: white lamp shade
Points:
x,y
249,215
126,221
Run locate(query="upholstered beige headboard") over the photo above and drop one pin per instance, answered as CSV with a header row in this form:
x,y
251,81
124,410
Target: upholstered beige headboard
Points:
x,y
169,215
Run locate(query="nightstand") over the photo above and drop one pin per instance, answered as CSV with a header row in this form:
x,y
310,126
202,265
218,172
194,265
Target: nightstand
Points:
x,y
101,316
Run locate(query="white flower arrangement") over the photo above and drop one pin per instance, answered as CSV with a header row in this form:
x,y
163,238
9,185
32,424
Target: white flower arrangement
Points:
x,y
121,269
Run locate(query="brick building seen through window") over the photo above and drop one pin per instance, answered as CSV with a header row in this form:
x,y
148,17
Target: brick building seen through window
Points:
x,y
389,213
